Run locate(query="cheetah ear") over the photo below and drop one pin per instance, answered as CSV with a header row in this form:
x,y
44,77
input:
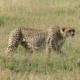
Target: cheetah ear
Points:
x,y
63,29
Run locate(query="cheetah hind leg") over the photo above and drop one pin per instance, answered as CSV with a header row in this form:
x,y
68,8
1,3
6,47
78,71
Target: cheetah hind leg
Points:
x,y
14,40
28,50
11,47
13,44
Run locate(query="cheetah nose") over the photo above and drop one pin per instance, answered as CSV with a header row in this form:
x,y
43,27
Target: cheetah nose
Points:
x,y
72,35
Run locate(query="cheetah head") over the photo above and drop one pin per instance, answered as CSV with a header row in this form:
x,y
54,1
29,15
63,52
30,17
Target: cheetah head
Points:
x,y
68,32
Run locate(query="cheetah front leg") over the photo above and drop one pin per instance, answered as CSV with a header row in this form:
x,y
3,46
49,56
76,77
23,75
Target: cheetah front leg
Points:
x,y
58,51
48,50
48,46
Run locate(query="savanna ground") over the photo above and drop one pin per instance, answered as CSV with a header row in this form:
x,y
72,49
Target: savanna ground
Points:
x,y
40,14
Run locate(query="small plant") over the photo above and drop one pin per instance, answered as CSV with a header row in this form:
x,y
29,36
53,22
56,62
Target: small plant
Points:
x,y
1,21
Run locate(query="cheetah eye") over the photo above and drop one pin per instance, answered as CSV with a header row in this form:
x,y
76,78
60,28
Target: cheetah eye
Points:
x,y
69,31
73,30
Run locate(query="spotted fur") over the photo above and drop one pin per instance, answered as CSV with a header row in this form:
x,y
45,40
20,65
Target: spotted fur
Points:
x,y
30,39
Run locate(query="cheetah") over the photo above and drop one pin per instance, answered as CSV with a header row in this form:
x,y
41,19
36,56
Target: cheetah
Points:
x,y
51,39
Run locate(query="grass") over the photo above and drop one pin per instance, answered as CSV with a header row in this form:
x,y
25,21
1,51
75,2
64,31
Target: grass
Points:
x,y
39,14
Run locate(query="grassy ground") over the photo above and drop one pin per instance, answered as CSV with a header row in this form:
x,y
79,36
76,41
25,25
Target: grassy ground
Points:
x,y
39,14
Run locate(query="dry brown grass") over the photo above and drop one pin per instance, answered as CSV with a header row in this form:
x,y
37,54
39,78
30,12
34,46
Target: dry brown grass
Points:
x,y
39,14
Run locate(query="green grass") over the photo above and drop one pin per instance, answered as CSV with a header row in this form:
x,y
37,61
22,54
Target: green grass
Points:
x,y
39,14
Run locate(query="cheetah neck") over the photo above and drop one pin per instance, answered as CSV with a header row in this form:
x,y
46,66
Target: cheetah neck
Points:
x,y
63,34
